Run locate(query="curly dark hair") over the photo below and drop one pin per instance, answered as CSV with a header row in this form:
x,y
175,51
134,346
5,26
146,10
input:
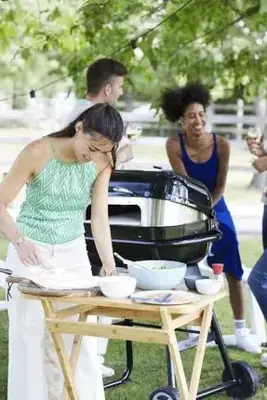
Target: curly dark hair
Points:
x,y
175,101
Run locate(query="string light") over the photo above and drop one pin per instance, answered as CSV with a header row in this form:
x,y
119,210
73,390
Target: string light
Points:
x,y
132,43
32,94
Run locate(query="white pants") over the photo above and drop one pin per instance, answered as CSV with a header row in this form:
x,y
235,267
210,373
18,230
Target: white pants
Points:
x,y
33,370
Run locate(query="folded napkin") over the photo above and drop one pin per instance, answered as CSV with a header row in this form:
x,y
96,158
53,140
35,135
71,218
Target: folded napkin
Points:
x,y
60,279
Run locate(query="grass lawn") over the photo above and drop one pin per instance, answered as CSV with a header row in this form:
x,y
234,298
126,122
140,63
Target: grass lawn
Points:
x,y
149,360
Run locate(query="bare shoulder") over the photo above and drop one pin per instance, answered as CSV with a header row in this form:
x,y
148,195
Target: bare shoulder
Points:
x,y
173,145
26,165
223,145
37,154
38,149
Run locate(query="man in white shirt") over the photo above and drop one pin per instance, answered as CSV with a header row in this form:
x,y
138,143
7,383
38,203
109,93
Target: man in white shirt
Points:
x,y
104,79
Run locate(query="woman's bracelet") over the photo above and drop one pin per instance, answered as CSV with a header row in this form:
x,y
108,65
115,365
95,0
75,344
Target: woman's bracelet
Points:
x,y
18,241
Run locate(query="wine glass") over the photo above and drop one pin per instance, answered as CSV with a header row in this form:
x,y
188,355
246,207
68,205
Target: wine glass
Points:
x,y
133,131
254,135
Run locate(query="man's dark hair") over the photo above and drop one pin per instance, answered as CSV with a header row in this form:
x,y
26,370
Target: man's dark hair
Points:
x,y
100,73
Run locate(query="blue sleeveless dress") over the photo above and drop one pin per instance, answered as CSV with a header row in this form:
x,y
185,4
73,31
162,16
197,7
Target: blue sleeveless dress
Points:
x,y
225,250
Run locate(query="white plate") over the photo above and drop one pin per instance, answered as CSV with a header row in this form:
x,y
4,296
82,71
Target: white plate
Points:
x,y
165,297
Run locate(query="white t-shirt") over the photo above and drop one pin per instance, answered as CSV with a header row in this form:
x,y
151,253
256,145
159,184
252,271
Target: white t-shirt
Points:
x,y
80,107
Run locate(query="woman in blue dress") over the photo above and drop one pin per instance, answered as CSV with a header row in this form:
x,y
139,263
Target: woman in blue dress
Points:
x,y
205,157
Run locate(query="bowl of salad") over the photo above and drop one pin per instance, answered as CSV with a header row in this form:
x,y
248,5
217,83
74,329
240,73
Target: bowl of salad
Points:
x,y
157,274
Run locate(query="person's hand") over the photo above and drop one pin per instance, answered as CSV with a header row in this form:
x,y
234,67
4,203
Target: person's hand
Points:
x,y
256,146
108,270
260,164
124,154
28,252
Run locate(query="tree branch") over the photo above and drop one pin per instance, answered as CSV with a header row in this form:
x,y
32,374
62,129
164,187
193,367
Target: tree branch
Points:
x,y
213,33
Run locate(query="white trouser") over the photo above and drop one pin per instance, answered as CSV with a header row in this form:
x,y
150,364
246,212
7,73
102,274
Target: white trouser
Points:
x,y
34,371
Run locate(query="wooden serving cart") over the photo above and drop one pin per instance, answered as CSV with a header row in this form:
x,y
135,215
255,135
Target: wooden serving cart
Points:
x,y
169,317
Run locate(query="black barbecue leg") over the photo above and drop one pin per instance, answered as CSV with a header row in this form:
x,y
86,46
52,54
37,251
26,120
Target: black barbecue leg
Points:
x,y
215,327
129,363
170,370
231,382
216,331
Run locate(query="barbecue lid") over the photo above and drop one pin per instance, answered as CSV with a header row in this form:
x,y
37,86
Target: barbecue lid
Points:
x,y
164,185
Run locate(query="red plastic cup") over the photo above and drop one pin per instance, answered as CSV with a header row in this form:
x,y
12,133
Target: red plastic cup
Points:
x,y
217,268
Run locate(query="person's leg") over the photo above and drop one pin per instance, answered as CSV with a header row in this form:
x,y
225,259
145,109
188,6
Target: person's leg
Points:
x,y
257,282
102,346
226,251
244,340
26,373
73,257
236,296
264,227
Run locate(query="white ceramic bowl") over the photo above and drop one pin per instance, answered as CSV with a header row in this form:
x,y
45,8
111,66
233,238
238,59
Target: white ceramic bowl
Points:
x,y
208,286
155,278
117,287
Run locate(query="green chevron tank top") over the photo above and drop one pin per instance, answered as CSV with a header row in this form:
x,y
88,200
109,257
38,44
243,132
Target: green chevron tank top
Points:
x,y
56,201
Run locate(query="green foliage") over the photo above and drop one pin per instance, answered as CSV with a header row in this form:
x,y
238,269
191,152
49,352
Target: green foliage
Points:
x,y
263,6
222,42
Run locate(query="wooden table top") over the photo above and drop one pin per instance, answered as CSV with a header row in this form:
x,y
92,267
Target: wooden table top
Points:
x,y
102,301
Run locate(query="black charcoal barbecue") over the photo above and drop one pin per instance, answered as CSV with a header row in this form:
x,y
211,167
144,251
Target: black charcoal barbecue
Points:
x,y
161,215
157,215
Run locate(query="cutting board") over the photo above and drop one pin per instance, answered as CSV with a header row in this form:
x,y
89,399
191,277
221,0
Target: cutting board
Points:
x,y
27,287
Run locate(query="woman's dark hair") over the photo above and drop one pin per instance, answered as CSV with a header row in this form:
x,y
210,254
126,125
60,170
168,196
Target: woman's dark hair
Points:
x,y
175,101
100,118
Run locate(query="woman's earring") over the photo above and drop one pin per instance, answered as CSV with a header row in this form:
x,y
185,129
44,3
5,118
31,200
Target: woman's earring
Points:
x,y
78,128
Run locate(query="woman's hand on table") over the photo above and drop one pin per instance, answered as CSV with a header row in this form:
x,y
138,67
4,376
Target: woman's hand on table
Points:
x,y
108,270
28,252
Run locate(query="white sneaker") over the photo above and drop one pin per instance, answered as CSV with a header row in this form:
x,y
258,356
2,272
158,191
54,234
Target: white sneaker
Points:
x,y
263,360
245,341
107,372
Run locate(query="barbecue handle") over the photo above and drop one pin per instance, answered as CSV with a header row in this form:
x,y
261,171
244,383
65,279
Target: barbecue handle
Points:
x,y
122,191
211,236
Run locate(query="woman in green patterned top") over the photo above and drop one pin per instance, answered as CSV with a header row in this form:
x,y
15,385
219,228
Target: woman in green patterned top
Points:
x,y
64,172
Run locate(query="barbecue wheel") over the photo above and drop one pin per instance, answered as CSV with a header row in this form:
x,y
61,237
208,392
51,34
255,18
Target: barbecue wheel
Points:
x,y
165,393
247,378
